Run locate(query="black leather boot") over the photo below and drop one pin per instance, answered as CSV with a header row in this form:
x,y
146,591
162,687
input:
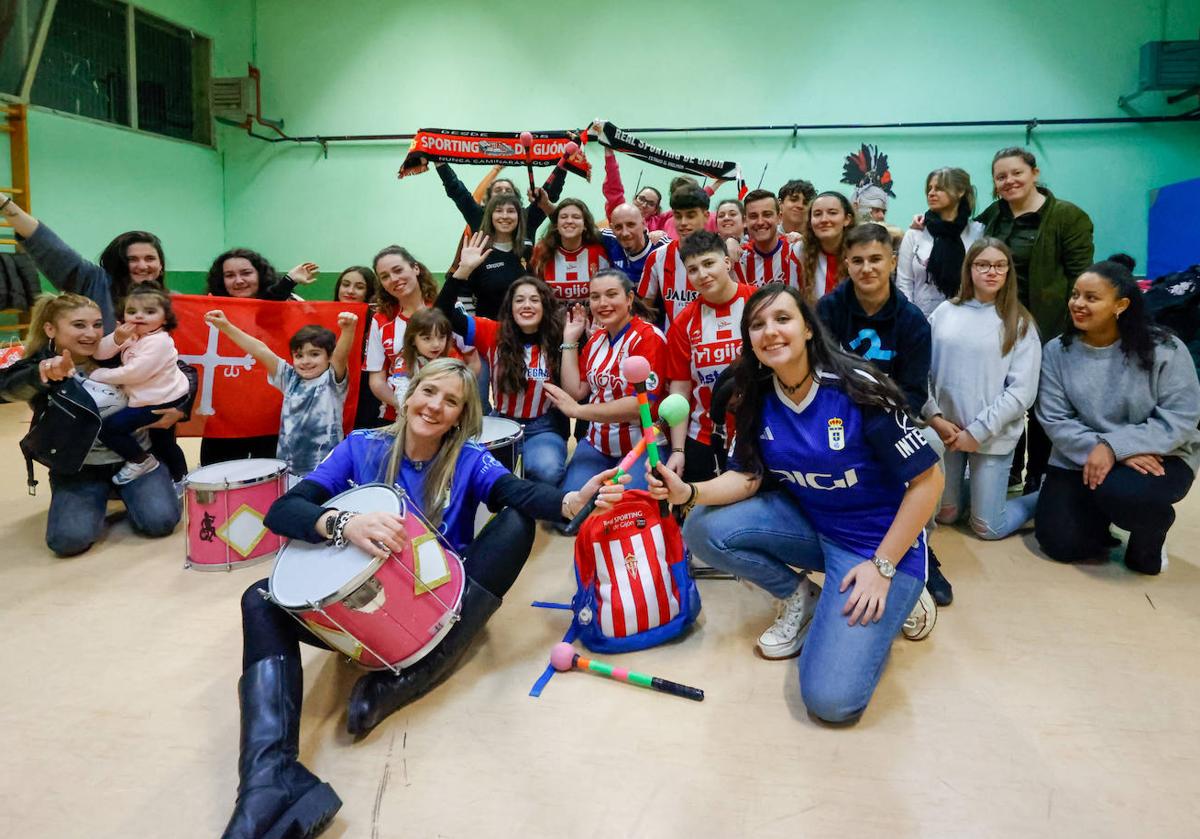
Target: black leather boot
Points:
x,y
277,797
378,694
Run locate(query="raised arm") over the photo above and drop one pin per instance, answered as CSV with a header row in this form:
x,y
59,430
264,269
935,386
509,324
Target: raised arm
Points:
x,y
457,192
447,304
339,361
613,189
59,262
257,349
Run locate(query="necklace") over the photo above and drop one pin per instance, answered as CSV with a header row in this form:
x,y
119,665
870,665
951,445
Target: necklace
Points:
x,y
790,390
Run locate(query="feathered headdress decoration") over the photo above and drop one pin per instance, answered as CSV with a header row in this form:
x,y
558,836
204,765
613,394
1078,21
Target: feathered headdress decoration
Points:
x,y
867,167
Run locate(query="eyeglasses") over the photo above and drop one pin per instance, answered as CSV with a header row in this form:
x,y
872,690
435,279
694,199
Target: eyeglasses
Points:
x,y
644,202
990,267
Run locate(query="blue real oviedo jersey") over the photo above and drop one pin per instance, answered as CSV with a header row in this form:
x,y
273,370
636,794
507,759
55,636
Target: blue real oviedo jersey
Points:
x,y
848,466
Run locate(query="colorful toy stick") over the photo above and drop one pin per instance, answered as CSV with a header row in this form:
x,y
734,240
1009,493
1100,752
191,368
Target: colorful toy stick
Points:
x,y
673,410
636,370
564,657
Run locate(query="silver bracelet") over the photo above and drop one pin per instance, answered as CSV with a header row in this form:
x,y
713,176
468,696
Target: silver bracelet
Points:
x,y
339,528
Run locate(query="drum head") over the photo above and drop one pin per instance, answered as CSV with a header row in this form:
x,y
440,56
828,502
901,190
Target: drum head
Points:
x,y
306,573
217,476
497,429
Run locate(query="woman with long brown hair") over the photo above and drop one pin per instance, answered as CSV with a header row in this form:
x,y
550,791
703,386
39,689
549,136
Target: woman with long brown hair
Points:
x,y
830,215
983,377
570,252
405,285
522,349
853,483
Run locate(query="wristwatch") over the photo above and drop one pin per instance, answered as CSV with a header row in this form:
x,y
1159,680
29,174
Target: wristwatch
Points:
x,y
884,566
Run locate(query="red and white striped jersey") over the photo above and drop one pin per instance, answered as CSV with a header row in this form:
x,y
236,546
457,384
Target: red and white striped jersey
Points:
x,y
634,588
665,278
533,401
781,265
600,366
827,273
700,345
384,341
568,272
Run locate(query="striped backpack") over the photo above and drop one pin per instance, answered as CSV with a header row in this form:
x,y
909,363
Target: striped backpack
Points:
x,y
634,587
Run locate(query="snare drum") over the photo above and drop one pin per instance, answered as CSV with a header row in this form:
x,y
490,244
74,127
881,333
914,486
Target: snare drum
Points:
x,y
504,438
224,509
383,613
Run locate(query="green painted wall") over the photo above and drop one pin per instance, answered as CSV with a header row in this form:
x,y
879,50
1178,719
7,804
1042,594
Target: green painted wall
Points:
x,y
379,66
91,180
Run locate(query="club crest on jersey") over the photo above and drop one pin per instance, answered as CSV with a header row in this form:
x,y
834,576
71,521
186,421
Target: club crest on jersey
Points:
x,y
652,381
631,565
837,434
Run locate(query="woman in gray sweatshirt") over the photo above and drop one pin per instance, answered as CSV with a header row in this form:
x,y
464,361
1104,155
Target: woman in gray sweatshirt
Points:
x,y
983,377
1120,401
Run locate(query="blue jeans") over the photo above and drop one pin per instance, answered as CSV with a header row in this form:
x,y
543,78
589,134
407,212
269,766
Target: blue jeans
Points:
x,y
763,539
588,461
78,502
543,450
993,515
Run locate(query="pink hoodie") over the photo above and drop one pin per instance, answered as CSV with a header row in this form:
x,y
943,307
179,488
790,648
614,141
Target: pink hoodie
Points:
x,y
148,372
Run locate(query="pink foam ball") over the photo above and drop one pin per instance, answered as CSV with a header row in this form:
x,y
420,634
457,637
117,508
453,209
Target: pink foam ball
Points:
x,y
562,657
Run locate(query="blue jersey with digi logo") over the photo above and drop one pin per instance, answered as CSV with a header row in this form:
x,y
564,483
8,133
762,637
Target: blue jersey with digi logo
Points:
x,y
848,466
362,458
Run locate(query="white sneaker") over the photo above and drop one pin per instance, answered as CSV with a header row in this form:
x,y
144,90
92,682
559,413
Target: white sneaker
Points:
x,y
786,636
132,471
921,619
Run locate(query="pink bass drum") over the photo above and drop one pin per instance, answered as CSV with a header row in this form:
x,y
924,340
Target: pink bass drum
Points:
x,y
383,613
224,508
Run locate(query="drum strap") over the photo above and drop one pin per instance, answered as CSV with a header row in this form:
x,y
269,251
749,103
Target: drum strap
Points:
x,y
572,631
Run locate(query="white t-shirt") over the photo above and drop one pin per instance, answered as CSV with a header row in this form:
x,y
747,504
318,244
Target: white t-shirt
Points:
x,y
109,399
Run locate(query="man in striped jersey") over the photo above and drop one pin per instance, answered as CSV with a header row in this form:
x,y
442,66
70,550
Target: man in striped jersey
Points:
x,y
770,258
664,284
701,343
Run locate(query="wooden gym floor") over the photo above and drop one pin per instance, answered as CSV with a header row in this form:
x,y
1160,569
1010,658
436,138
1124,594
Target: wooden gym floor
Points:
x,y
1049,701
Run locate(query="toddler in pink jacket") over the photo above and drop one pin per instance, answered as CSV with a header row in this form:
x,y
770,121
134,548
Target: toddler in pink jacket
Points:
x,y
149,376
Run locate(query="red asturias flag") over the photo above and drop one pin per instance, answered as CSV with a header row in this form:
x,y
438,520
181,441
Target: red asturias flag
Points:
x,y
235,399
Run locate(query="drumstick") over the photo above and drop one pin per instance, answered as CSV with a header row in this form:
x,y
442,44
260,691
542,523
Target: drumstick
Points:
x,y
564,657
527,142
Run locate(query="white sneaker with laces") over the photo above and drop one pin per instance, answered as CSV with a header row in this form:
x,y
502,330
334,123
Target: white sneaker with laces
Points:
x,y
786,636
132,471
921,619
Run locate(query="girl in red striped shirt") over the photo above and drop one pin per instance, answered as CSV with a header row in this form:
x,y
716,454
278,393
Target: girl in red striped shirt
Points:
x,y
522,349
571,251
405,285
595,373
